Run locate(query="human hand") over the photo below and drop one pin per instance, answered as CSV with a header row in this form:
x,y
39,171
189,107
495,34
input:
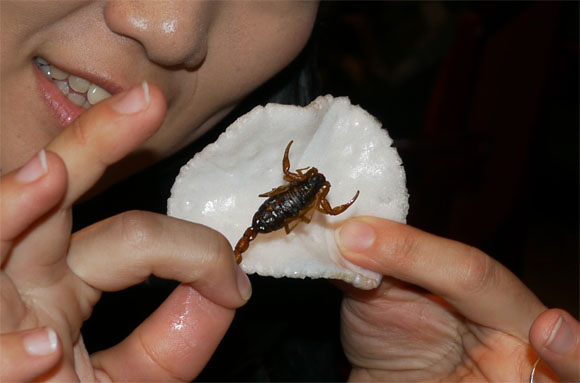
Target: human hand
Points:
x,y
50,279
555,337
444,311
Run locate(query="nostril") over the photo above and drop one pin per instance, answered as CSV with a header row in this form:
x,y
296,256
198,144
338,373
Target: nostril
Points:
x,y
171,33
181,51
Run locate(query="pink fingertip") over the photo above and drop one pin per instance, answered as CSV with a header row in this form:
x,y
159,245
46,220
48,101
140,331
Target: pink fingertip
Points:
x,y
34,169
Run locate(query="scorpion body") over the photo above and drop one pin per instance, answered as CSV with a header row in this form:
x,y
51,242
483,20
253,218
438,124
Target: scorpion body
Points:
x,y
293,202
275,211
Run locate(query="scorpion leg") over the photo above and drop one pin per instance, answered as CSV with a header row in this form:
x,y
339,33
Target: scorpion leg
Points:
x,y
300,176
305,216
288,227
275,191
301,171
323,205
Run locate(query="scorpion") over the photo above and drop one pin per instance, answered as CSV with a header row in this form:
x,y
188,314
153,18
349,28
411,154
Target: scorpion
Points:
x,y
290,204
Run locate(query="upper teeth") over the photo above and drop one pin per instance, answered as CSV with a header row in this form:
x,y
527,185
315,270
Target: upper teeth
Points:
x,y
78,90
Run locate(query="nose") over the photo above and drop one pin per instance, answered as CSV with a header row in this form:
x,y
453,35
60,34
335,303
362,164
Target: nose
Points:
x,y
172,32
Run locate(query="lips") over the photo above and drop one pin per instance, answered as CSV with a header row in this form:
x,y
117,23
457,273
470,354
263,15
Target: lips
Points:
x,y
79,91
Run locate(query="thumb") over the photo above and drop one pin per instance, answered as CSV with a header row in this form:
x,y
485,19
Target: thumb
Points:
x,y
27,355
554,336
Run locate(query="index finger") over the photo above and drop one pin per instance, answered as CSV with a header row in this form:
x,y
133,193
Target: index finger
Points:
x,y
27,194
106,133
479,287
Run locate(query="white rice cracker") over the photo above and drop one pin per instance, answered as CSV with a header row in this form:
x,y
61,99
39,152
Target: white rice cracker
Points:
x,y
219,187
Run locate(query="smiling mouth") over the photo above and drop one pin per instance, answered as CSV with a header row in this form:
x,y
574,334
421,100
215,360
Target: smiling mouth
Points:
x,y
77,90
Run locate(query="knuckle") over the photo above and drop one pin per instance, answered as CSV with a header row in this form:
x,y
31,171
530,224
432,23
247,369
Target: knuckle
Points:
x,y
480,272
216,249
79,131
222,246
400,248
158,360
138,229
10,297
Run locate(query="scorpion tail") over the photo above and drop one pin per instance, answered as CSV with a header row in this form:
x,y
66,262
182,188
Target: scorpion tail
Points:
x,y
244,243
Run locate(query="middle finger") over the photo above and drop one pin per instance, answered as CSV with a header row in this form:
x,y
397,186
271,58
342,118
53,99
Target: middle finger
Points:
x,y
124,250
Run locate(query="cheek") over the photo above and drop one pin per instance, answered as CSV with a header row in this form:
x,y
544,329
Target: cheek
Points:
x,y
254,42
274,45
25,125
21,135
16,149
271,46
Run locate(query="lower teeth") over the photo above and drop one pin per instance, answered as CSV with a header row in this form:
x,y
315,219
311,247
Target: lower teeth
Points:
x,y
77,99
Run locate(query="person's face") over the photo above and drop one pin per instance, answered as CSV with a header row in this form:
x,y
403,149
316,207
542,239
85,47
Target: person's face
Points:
x,y
205,55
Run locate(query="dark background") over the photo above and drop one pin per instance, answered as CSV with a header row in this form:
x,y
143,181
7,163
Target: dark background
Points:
x,y
481,99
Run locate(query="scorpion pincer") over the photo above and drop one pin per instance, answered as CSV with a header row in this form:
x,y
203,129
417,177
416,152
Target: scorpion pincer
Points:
x,y
290,204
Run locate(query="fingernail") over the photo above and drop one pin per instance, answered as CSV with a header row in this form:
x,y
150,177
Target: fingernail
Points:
x,y
134,100
562,338
34,169
41,342
355,236
244,284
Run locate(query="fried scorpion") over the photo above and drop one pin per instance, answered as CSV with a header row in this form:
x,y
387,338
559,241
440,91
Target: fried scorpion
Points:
x,y
290,204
